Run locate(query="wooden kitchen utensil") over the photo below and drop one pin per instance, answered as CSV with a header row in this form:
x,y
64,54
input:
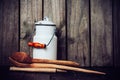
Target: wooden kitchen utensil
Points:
x,y
45,65
37,69
25,58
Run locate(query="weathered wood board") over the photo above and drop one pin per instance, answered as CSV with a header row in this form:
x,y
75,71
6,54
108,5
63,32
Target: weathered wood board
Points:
x,y
101,33
30,11
78,31
9,31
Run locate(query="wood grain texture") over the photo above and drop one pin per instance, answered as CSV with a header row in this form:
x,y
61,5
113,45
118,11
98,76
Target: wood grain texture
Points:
x,y
101,33
29,76
78,31
80,40
55,11
112,74
116,32
30,11
54,76
9,24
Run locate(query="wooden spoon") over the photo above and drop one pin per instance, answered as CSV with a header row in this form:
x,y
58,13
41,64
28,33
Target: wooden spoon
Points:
x,y
25,58
43,65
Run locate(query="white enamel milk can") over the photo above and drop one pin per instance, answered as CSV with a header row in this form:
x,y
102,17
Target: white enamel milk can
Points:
x,y
44,41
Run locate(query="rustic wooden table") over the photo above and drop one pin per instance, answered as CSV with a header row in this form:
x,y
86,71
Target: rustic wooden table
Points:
x,y
112,74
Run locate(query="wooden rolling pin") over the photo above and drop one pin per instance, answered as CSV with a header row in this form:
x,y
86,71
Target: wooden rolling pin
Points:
x,y
36,69
43,65
25,58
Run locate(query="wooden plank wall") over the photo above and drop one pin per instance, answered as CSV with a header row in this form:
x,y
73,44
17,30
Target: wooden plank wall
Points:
x,y
9,29
86,28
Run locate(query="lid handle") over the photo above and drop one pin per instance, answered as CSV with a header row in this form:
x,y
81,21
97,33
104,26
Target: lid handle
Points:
x,y
46,19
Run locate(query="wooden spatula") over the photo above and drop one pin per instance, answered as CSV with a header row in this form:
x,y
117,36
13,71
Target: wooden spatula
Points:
x,y
44,65
53,70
